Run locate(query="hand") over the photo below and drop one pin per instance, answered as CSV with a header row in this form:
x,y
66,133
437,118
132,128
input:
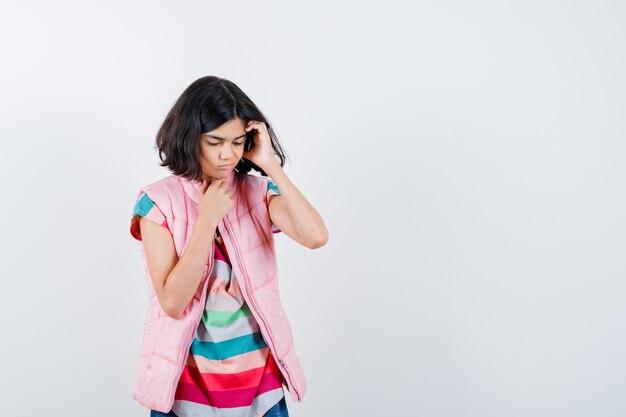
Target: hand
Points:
x,y
262,154
215,199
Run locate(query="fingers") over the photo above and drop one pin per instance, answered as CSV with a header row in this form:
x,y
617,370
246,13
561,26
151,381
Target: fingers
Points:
x,y
255,124
216,183
203,187
223,185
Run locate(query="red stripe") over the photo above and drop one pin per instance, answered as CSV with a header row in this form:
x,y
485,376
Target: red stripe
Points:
x,y
220,252
230,398
223,382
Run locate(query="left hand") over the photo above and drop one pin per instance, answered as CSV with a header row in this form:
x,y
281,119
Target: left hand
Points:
x,y
262,154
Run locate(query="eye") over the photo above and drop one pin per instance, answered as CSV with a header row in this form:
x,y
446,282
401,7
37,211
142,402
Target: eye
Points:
x,y
213,144
238,143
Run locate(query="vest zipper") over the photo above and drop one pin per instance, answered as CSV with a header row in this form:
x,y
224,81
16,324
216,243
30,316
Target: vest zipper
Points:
x,y
192,329
254,305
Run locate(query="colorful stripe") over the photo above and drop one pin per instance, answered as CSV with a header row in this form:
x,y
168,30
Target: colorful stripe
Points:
x,y
145,207
233,381
248,325
230,370
225,399
272,189
259,406
228,348
224,318
239,363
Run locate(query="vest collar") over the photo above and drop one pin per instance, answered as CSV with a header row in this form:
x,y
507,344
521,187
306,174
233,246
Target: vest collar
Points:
x,y
191,187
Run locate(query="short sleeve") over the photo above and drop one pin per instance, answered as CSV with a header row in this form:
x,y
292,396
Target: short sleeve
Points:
x,y
272,189
145,207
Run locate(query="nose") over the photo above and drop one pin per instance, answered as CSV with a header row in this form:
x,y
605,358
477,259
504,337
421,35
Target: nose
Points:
x,y
226,151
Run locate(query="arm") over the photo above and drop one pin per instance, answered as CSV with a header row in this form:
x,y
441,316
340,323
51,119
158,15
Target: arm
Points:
x,y
176,280
292,213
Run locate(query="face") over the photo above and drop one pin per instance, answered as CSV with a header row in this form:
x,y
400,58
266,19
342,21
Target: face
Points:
x,y
222,146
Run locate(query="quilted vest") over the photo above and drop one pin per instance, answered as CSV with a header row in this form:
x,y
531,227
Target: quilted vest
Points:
x,y
247,234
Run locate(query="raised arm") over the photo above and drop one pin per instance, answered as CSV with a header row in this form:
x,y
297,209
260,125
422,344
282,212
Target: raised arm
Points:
x,y
292,213
289,211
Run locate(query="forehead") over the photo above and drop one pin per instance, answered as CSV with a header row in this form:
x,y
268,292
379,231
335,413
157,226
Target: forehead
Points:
x,y
233,129
220,137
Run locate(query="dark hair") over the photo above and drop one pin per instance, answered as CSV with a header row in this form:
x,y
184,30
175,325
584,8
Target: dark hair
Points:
x,y
206,104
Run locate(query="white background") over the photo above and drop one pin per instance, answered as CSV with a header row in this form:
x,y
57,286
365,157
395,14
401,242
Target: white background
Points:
x,y
467,158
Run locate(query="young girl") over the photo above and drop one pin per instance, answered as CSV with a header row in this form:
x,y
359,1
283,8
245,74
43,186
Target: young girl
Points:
x,y
216,339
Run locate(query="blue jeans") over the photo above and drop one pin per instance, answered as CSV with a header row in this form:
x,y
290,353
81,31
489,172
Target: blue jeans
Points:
x,y
278,410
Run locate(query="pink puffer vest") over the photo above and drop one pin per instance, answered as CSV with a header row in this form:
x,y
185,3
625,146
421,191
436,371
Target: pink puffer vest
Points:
x,y
247,234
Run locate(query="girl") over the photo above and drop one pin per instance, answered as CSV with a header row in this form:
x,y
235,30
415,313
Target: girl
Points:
x,y
216,339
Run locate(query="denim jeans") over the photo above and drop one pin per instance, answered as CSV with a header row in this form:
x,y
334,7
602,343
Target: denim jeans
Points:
x,y
278,410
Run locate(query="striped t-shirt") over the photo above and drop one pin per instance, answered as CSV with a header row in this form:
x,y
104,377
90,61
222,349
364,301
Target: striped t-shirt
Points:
x,y
230,370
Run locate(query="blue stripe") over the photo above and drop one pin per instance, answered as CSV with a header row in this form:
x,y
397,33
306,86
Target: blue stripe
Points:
x,y
143,206
272,186
228,348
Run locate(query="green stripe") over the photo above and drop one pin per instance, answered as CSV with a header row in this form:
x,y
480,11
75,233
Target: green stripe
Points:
x,y
218,318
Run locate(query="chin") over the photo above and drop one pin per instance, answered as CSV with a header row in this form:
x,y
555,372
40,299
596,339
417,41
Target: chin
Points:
x,y
223,173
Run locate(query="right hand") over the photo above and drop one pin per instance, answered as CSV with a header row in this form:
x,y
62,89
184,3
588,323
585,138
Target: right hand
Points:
x,y
215,199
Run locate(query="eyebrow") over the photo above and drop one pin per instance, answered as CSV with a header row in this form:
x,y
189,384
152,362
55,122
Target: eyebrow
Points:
x,y
217,137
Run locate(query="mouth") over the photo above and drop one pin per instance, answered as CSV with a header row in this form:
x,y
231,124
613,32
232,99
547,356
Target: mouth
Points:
x,y
227,166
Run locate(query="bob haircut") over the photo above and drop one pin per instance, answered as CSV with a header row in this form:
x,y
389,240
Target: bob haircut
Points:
x,y
206,104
